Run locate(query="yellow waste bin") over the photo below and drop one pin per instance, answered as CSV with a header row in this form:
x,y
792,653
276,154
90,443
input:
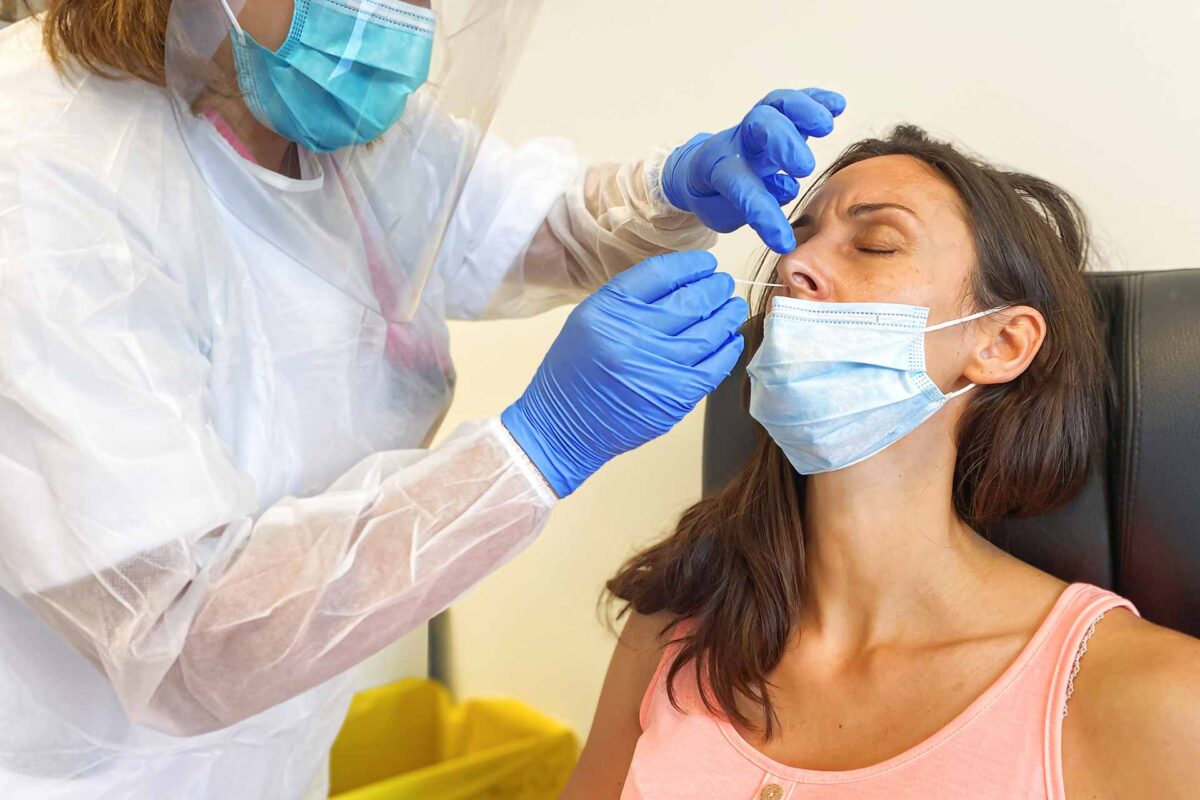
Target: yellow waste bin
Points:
x,y
408,741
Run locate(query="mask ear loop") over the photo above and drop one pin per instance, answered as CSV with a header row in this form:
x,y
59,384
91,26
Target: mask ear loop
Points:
x,y
961,320
233,19
951,324
957,392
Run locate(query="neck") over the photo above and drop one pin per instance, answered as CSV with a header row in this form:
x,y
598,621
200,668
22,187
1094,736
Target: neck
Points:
x,y
267,147
883,544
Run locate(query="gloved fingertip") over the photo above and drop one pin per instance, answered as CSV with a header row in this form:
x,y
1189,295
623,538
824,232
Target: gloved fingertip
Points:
x,y
783,243
806,162
733,314
818,124
783,187
704,260
700,264
835,102
728,283
727,358
736,312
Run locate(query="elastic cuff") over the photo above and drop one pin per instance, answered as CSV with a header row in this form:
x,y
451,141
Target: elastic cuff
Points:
x,y
524,463
688,232
660,204
682,150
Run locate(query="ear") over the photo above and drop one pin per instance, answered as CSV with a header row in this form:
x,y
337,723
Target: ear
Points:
x,y
1004,343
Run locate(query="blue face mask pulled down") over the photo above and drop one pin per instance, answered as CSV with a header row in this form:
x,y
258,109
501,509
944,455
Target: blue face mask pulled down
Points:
x,y
835,383
343,75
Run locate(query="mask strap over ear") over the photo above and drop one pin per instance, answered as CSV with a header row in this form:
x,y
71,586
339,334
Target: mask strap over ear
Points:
x,y
951,324
961,320
233,19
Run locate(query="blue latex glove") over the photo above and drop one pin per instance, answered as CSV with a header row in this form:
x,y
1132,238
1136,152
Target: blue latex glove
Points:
x,y
630,362
744,174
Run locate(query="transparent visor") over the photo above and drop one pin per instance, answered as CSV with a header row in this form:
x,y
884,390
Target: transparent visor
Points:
x,y
340,133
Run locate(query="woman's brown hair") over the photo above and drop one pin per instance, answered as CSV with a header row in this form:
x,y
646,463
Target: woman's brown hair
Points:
x,y
110,38
735,565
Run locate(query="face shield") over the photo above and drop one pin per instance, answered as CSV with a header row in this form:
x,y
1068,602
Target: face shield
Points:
x,y
383,106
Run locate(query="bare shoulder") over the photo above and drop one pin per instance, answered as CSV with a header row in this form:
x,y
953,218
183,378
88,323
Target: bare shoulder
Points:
x,y
636,657
1133,667
647,634
1133,727
616,727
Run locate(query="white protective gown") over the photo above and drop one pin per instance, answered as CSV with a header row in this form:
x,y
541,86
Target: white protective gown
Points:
x,y
213,500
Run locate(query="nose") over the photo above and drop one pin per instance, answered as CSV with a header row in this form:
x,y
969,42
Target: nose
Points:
x,y
803,279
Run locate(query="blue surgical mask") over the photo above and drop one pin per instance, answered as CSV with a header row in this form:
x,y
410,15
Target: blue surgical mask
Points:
x,y
343,75
835,383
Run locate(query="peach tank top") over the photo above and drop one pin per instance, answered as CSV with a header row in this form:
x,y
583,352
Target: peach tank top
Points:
x,y
1005,744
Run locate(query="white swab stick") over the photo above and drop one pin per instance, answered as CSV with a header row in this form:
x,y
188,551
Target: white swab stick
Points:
x,y
759,283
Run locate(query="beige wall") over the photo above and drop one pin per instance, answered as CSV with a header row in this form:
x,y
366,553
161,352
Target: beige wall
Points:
x,y
1100,96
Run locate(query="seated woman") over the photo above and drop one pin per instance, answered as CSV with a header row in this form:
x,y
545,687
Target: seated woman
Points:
x,y
831,624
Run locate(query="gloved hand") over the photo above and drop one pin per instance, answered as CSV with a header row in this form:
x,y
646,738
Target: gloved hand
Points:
x,y
630,362
745,173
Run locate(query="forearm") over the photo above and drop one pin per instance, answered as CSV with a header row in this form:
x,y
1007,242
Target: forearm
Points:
x,y
309,589
609,218
618,216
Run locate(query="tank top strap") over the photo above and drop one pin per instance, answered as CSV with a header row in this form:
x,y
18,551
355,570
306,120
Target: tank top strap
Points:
x,y
1085,606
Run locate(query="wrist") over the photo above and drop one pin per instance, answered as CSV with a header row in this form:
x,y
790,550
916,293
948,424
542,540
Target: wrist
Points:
x,y
525,434
675,184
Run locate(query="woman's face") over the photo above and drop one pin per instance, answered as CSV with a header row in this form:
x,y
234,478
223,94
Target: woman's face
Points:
x,y
890,230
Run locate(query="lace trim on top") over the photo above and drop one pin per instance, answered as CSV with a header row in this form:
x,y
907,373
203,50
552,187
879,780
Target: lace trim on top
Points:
x,y
1083,643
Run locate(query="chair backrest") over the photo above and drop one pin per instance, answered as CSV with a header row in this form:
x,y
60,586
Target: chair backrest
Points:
x,y
1135,526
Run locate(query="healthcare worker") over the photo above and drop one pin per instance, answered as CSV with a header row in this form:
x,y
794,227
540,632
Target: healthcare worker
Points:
x,y
225,275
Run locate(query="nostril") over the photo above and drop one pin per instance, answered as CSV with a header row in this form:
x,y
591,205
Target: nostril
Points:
x,y
802,282
801,278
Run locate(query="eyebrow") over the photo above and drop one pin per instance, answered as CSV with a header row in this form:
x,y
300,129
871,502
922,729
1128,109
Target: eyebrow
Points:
x,y
858,210
862,209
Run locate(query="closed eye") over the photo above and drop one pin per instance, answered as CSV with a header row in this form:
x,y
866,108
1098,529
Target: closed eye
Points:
x,y
878,251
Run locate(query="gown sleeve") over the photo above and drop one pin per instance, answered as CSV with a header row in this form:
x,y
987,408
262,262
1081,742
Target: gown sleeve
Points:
x,y
128,527
536,228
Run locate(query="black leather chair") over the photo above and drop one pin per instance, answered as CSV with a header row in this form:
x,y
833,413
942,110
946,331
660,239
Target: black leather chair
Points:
x,y
1135,527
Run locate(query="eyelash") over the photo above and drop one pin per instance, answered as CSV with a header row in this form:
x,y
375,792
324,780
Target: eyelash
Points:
x,y
877,252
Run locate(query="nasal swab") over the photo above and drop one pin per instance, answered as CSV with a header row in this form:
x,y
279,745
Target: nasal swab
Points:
x,y
759,283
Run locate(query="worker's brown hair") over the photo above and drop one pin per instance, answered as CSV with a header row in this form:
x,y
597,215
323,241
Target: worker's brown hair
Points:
x,y
111,38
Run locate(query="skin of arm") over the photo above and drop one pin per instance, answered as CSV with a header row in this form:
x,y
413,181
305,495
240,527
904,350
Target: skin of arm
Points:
x,y
1133,727
600,774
